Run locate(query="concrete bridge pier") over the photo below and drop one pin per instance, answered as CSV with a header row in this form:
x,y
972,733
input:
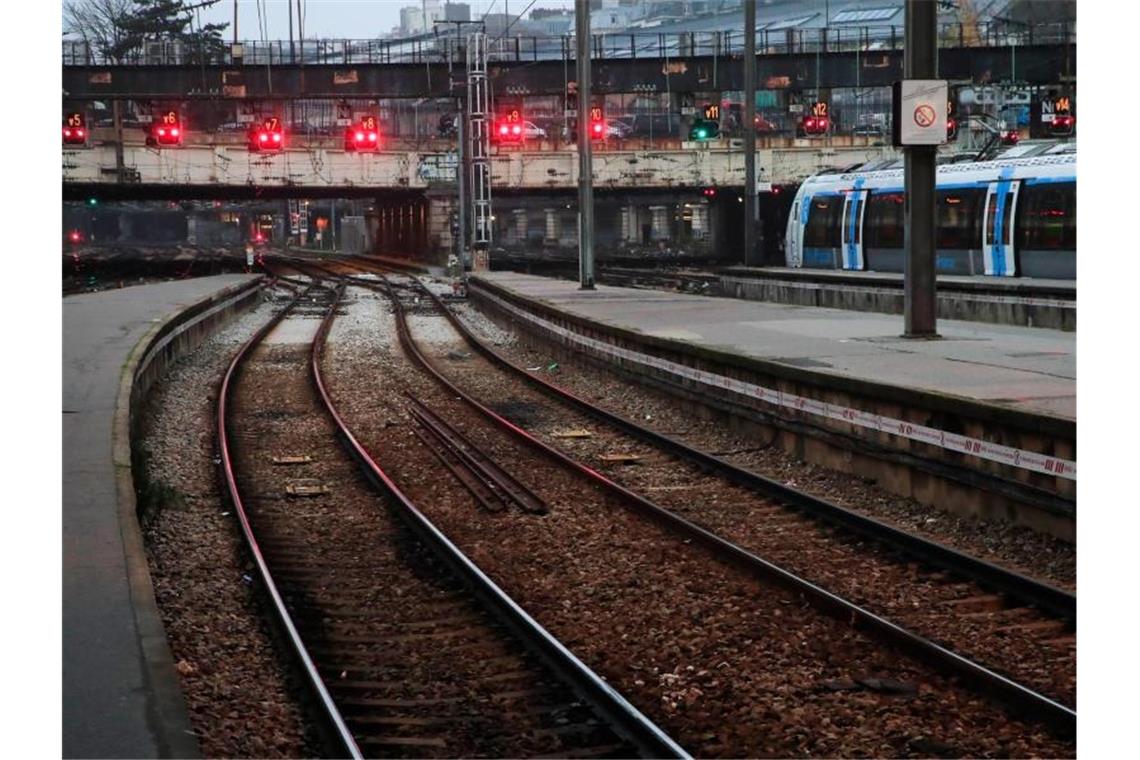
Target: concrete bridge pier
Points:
x,y
553,226
660,227
700,220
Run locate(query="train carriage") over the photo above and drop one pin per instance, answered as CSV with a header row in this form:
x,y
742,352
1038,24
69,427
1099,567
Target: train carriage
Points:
x,y
1006,218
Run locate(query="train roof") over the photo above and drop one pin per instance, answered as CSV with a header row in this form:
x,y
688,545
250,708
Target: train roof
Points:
x,y
1036,163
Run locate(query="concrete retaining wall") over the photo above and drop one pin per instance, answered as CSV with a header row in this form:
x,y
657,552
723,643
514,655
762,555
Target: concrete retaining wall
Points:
x,y
167,341
1025,311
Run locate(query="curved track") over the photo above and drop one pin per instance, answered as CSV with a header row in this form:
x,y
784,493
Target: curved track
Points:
x,y
408,649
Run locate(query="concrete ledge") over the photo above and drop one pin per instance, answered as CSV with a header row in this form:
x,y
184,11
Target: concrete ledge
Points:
x,y
931,474
1026,303
152,355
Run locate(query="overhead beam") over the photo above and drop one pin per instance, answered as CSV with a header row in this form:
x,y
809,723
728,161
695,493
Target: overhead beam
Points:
x,y
1033,64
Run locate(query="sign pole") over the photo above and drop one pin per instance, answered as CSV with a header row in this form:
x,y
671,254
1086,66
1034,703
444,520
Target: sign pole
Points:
x,y
751,258
919,298
585,159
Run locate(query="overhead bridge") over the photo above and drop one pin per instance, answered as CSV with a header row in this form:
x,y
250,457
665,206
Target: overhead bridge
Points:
x,y
354,74
233,171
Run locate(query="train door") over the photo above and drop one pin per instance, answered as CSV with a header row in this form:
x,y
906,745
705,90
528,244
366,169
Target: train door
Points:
x,y
854,205
998,227
794,237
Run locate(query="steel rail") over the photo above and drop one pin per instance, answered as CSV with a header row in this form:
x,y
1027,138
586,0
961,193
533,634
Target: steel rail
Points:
x,y
312,675
504,485
1054,714
626,719
1048,598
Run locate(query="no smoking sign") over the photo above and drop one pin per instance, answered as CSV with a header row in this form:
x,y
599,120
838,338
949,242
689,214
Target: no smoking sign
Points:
x,y
920,112
924,115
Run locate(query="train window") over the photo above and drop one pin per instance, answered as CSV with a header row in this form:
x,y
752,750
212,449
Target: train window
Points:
x,y
959,217
824,216
1048,215
884,220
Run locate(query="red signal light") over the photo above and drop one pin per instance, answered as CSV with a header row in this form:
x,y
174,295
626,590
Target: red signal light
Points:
x,y
174,132
371,137
263,137
276,137
360,137
710,192
74,135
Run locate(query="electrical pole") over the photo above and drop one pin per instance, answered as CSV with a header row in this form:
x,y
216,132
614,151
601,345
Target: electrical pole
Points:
x,y
751,258
585,162
919,300
292,50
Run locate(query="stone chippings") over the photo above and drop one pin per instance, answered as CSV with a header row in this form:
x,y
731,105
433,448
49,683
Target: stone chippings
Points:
x,y
726,664
241,699
953,614
1016,547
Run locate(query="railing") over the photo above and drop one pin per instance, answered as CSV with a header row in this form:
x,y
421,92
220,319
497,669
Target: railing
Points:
x,y
445,48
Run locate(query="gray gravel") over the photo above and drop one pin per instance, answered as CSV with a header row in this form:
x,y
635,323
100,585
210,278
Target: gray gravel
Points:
x,y
240,699
1020,548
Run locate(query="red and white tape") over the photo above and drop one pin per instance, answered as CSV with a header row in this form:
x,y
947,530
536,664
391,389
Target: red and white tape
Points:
x,y
994,452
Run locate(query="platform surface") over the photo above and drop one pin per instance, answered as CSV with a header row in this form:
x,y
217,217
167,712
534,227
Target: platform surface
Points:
x,y
1029,369
108,708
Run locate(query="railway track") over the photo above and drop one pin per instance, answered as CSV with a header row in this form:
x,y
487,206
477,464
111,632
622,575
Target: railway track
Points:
x,y
407,648
482,532
1022,629
989,604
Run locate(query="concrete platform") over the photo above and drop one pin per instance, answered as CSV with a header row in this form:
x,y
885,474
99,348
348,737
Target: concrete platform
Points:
x,y
1029,369
120,694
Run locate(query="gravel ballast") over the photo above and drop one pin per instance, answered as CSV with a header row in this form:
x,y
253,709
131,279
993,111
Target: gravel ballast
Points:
x,y
240,697
727,664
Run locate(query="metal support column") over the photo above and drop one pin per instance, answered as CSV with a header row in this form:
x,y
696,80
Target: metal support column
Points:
x,y
919,301
585,159
478,105
461,170
751,257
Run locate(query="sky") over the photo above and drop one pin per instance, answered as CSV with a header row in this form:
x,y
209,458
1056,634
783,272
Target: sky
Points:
x,y
352,19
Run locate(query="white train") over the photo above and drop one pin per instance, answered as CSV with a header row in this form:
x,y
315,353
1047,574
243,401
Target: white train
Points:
x,y
1009,217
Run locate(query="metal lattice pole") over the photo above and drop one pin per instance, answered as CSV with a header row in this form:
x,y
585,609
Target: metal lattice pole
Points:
x,y
479,131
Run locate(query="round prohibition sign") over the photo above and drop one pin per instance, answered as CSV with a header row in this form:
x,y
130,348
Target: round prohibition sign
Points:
x,y
924,115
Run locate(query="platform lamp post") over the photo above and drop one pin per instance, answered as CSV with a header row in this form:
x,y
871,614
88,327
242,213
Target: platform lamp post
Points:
x,y
585,162
920,61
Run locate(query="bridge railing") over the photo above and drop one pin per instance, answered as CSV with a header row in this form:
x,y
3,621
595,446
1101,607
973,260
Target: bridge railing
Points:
x,y
443,48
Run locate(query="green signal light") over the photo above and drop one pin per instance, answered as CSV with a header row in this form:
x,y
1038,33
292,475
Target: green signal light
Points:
x,y
92,201
702,134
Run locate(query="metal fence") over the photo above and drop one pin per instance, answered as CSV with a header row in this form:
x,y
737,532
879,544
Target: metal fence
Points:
x,y
444,48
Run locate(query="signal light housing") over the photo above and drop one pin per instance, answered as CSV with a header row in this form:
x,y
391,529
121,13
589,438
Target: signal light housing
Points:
x,y
951,128
363,137
1063,124
704,129
262,139
508,132
167,135
816,125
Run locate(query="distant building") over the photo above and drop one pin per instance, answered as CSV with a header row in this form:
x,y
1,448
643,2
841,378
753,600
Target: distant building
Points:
x,y
457,12
411,20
